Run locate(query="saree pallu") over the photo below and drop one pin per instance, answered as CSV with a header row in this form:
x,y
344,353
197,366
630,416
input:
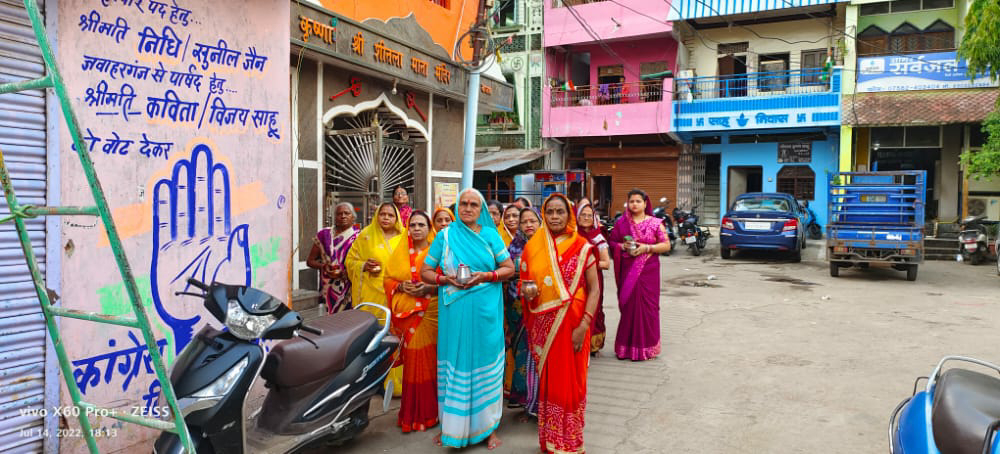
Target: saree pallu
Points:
x,y
414,320
598,330
638,280
366,287
334,247
471,357
515,377
562,371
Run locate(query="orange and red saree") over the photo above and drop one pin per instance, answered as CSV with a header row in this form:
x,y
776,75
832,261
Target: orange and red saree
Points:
x,y
557,264
414,320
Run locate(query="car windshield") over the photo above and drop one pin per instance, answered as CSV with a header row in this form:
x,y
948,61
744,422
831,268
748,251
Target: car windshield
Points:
x,y
761,204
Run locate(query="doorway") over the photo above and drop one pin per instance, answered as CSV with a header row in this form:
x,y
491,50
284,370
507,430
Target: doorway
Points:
x,y
732,76
742,180
928,159
602,194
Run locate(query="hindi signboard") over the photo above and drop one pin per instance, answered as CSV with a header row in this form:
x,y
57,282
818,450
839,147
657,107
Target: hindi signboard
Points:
x,y
930,71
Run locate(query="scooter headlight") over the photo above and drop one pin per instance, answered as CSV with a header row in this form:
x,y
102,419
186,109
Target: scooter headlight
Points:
x,y
222,385
244,325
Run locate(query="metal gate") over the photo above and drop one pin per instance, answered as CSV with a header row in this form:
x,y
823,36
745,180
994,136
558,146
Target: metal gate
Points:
x,y
364,164
22,326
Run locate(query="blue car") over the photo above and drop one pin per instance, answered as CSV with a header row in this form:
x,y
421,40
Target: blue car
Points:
x,y
764,220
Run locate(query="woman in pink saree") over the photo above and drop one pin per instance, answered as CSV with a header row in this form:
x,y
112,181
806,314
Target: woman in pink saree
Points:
x,y
636,243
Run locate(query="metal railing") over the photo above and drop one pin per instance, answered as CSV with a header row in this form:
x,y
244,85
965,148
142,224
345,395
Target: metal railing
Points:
x,y
753,84
600,94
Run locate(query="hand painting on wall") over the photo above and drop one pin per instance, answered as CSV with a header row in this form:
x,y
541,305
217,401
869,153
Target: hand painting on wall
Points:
x,y
193,237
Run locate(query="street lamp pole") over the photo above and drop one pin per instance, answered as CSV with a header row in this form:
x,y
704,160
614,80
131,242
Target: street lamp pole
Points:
x,y
472,101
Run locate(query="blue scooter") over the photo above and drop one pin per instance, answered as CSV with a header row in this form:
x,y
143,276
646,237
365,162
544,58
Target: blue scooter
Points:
x,y
958,412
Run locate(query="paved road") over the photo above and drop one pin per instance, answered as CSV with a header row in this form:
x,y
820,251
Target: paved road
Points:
x,y
768,356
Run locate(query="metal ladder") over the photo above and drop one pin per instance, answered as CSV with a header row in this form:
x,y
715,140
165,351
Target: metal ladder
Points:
x,y
139,320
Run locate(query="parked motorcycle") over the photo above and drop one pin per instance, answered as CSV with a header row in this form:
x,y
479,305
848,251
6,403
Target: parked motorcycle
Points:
x,y
319,387
813,230
958,411
688,230
668,222
977,239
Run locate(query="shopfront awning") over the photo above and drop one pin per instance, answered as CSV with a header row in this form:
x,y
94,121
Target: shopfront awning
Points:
x,y
498,161
930,107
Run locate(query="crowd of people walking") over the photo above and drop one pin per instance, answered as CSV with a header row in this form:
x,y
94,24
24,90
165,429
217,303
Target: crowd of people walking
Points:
x,y
497,304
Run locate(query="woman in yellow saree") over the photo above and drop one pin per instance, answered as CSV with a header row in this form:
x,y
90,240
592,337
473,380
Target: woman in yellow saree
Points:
x,y
561,308
415,320
365,267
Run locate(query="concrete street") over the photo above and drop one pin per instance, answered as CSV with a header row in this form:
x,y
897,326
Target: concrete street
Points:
x,y
767,357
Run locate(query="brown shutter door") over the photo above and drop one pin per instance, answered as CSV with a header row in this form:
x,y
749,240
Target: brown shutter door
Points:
x,y
657,177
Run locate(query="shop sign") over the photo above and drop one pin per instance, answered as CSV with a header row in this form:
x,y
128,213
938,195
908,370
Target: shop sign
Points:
x,y
929,71
445,194
777,118
795,152
319,30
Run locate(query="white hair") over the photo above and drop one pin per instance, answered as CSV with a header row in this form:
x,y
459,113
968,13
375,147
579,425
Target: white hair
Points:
x,y
349,206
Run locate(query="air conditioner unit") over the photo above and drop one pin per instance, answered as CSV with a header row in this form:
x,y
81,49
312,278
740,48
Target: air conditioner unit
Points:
x,y
990,206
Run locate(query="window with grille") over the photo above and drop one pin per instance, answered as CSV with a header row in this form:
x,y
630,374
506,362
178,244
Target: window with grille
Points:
x,y
902,6
873,41
442,3
652,90
799,181
939,36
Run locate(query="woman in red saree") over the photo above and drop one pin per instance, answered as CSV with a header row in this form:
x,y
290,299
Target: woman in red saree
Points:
x,y
415,320
561,308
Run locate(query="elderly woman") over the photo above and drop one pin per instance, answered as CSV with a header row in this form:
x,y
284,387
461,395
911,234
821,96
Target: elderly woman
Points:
x,y
561,308
637,240
365,262
470,323
496,212
442,217
328,255
516,376
414,320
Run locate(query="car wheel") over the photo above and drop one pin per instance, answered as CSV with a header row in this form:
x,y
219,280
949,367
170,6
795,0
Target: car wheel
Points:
x,y
726,252
834,269
797,256
911,273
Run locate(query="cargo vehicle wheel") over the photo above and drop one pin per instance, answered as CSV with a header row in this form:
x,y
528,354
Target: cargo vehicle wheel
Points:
x,y
911,273
834,269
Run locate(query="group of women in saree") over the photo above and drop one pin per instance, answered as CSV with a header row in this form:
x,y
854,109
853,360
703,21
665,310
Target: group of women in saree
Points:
x,y
523,325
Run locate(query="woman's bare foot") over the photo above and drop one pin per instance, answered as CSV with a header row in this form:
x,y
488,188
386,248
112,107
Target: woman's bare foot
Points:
x,y
494,442
437,439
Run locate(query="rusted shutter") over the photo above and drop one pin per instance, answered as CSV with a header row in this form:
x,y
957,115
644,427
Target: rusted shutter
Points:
x,y
22,328
657,177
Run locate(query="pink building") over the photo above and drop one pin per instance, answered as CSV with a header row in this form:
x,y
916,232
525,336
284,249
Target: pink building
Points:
x,y
609,95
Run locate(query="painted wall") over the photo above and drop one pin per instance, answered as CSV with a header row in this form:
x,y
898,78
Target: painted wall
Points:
x,y
809,34
445,24
193,152
610,20
614,119
765,155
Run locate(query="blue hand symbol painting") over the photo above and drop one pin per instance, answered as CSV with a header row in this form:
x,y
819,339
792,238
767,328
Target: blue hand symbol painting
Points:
x,y
193,237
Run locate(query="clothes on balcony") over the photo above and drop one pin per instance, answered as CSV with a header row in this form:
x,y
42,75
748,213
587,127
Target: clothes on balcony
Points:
x,y
603,93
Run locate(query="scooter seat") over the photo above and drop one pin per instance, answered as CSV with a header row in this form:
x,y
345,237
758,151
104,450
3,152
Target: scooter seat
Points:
x,y
295,362
966,404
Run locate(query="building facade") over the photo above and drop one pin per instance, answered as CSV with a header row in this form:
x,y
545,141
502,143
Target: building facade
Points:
x,y
607,99
510,144
912,105
757,99
379,102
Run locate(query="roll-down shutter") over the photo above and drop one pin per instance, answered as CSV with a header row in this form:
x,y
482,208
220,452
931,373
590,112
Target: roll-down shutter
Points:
x,y
657,177
22,327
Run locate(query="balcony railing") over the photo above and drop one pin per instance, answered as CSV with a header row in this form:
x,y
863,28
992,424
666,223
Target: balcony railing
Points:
x,y
600,94
752,84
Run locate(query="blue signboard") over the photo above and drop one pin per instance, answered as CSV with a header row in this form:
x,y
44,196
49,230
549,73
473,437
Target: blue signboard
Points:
x,y
931,71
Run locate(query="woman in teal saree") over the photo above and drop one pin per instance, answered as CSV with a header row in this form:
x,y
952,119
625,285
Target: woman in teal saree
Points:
x,y
471,343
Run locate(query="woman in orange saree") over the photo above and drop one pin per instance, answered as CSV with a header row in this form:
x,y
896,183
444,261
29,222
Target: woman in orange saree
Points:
x,y
414,320
561,304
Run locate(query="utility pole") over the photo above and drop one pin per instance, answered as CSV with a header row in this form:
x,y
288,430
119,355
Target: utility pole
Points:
x,y
472,100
